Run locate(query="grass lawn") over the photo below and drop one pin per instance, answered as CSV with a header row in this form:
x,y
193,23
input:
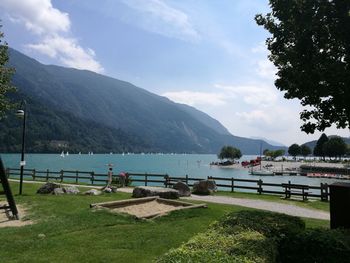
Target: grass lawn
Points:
x,y
75,233
311,203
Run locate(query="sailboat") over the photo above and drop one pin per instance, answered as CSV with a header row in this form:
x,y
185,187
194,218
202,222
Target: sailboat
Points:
x,y
62,154
67,153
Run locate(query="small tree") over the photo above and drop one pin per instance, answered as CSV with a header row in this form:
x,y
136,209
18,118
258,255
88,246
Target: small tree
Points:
x,y
318,150
294,150
230,153
5,76
335,147
266,152
277,153
305,150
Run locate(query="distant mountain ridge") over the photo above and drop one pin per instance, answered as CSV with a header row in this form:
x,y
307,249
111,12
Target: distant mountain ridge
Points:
x,y
312,144
274,143
155,122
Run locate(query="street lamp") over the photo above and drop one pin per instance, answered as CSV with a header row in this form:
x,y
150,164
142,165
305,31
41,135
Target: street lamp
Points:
x,y
21,113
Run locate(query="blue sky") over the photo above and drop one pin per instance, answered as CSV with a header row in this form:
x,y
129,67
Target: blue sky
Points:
x,y
208,54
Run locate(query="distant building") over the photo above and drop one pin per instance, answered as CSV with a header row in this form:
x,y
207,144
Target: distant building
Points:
x,y
59,144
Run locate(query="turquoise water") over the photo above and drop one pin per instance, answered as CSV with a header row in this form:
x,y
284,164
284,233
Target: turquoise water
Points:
x,y
194,165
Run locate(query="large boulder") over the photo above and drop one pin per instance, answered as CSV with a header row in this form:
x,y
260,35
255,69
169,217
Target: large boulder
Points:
x,y
71,190
93,192
204,187
47,188
145,191
182,188
58,191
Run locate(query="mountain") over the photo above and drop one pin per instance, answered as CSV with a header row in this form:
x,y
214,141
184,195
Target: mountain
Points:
x,y
268,141
312,144
79,100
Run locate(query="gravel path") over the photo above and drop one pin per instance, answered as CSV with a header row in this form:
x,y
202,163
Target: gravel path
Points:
x,y
264,205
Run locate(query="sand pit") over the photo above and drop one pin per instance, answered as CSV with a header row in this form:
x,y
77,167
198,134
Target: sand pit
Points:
x,y
148,207
5,221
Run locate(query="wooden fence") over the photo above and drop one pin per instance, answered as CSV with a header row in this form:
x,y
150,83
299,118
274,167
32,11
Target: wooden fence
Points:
x,y
147,179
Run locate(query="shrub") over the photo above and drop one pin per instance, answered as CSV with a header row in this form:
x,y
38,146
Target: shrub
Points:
x,y
316,245
216,246
270,224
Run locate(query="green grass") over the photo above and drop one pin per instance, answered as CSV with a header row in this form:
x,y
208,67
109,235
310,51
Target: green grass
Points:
x,y
75,233
311,203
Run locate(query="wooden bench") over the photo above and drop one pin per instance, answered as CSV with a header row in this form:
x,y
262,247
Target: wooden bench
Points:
x,y
296,189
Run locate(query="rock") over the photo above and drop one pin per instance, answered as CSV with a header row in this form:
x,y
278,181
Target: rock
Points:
x,y
107,190
71,190
182,188
93,192
58,191
144,191
114,189
204,187
47,188
42,236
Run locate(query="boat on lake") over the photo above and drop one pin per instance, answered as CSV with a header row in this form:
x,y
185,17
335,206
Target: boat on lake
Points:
x,y
261,172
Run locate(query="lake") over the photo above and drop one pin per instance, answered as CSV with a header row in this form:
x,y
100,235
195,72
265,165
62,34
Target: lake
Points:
x,y
194,165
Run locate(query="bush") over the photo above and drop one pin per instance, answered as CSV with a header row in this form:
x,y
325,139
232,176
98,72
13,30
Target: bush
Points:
x,y
216,246
316,245
270,224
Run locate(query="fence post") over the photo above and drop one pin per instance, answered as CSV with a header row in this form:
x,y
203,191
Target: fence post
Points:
x,y
166,178
92,177
76,177
61,176
47,175
33,174
187,179
260,186
232,184
7,172
324,192
145,179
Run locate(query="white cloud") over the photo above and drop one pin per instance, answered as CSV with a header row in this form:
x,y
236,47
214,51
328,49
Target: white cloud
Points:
x,y
266,69
68,52
158,17
51,25
38,16
194,98
256,95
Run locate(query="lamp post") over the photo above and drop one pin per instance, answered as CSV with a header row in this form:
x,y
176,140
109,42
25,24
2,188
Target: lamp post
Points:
x,y
21,113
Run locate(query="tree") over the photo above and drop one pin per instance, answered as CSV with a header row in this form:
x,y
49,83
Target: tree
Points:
x,y
310,46
5,77
277,153
318,150
305,150
230,153
266,151
273,154
294,150
335,147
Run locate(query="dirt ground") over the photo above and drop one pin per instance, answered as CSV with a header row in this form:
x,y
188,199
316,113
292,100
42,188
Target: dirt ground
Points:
x,y
5,221
146,209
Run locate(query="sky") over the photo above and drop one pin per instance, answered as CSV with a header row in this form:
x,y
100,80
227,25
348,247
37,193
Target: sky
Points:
x,y
207,54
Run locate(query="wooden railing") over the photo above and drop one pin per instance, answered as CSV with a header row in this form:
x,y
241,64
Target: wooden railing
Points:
x,y
230,184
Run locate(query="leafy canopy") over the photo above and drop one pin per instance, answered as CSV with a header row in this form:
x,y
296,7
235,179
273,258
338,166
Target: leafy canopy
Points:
x,y
229,152
294,150
5,77
273,154
335,147
305,150
318,150
310,46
